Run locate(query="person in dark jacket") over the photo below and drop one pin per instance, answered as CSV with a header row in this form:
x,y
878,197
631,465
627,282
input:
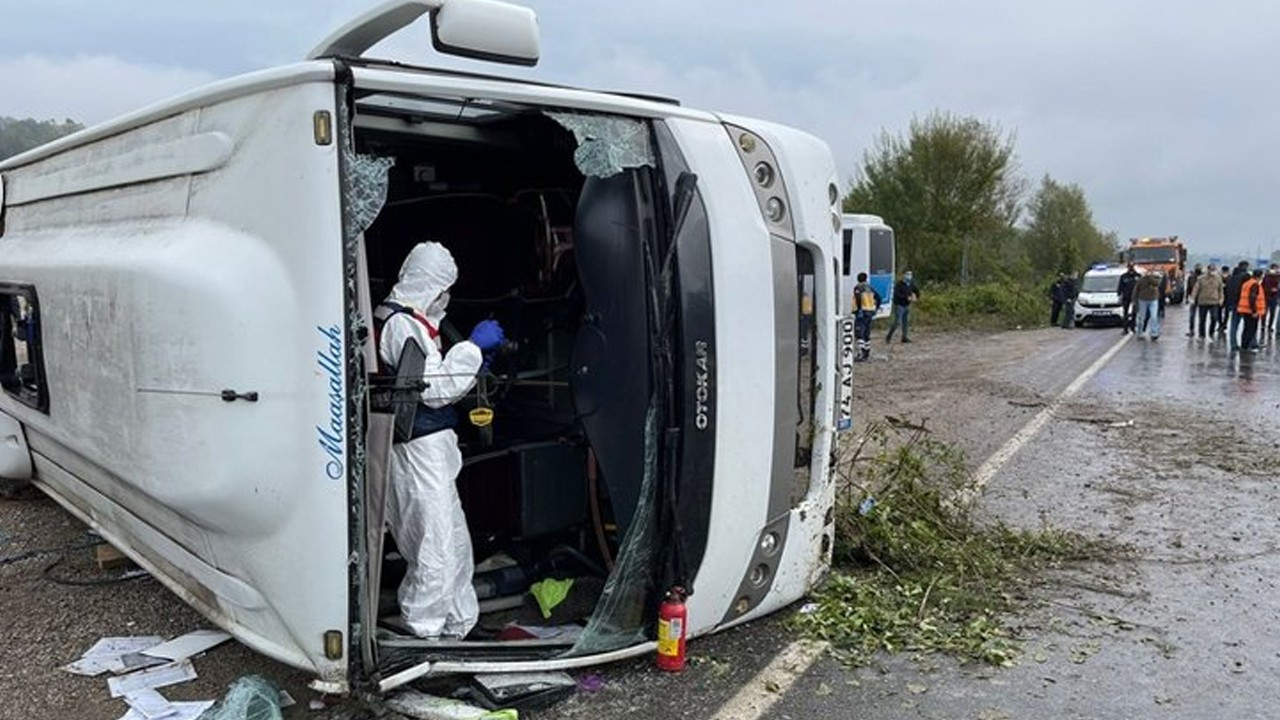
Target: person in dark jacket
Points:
x,y
1231,298
1127,282
1069,302
1056,298
1224,312
905,292
1271,286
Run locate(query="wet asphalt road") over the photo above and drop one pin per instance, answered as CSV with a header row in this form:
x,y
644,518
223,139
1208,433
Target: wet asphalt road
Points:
x,y
1172,450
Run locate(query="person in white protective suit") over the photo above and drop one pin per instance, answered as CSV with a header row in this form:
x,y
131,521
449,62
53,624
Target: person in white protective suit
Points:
x,y
423,509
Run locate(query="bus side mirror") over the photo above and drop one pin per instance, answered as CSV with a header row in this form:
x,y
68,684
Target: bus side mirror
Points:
x,y
480,29
486,30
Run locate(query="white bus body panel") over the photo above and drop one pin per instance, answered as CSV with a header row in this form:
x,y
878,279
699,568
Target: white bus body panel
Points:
x,y
205,254
227,273
15,456
741,256
809,170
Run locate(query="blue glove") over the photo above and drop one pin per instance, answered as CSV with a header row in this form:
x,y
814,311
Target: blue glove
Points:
x,y
488,335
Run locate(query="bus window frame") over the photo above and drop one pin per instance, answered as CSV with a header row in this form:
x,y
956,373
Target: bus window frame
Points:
x,y
38,397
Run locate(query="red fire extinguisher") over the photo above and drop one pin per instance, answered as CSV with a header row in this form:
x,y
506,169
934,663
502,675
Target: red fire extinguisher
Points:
x,y
673,621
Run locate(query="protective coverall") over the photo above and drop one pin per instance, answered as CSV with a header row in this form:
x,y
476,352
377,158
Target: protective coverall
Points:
x,y
424,512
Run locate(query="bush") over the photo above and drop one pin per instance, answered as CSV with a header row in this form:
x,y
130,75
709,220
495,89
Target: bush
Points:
x,y
986,305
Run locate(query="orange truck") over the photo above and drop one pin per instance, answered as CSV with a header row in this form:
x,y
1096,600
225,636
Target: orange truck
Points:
x,y
1166,254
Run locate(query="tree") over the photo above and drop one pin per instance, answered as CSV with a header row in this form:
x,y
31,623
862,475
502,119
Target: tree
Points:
x,y
949,188
17,136
1060,234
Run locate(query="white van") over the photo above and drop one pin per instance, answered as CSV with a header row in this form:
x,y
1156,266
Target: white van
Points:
x,y
185,302
1098,297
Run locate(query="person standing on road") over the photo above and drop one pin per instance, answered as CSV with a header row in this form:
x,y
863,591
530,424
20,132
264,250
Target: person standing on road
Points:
x,y
1164,293
1208,300
1231,298
866,303
1128,280
1224,312
1056,298
1253,308
1068,302
1271,285
1192,279
1147,293
905,292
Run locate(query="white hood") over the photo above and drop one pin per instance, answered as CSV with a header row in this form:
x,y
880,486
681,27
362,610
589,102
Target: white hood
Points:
x,y
426,274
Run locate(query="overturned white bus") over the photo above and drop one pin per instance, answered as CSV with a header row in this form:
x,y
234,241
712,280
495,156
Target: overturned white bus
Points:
x,y
187,364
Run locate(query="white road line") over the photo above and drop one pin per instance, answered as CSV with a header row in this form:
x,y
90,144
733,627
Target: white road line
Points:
x,y
988,469
758,696
763,691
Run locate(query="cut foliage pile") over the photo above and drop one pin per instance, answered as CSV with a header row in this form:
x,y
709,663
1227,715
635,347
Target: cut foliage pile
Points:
x,y
914,570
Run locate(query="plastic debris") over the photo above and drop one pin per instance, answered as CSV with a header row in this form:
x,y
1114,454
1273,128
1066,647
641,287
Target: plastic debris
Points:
x,y
549,593
251,697
867,505
591,682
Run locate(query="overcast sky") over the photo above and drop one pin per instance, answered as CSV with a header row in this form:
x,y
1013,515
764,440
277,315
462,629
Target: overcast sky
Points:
x,y
1164,112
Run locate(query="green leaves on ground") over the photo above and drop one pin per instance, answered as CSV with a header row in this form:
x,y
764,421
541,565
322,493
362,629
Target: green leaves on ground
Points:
x,y
914,570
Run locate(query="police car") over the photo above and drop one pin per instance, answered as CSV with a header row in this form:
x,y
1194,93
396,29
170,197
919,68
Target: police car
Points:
x,y
1098,297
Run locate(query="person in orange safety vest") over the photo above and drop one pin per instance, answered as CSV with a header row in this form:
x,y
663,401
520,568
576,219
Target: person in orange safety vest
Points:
x,y
1252,308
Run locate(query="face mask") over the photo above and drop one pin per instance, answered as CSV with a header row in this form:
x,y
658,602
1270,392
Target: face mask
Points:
x,y
437,307
907,277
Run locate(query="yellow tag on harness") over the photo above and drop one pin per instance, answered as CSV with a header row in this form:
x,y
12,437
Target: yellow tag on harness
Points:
x,y
480,417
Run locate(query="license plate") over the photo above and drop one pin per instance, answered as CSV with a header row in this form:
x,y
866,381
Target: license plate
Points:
x,y
848,351
1102,312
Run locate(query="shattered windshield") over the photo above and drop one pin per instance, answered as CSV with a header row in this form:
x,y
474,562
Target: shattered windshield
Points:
x,y
607,144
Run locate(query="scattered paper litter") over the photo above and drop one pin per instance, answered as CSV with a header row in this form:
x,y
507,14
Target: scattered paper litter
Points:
x,y
189,645
150,704
156,677
117,646
89,666
133,661
181,711
286,700
105,654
